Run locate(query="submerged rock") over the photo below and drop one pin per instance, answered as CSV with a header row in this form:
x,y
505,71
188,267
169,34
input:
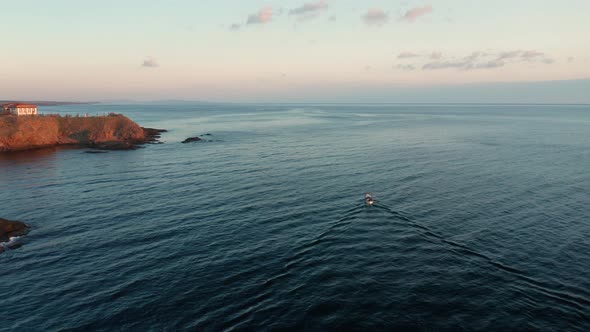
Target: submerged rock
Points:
x,y
9,229
192,139
114,146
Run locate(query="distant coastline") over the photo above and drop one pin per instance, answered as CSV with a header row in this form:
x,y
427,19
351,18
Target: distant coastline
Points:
x,y
49,102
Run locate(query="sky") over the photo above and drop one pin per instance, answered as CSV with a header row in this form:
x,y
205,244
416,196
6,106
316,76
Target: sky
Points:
x,y
296,51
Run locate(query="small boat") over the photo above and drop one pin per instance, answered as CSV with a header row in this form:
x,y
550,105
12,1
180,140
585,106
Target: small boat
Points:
x,y
369,200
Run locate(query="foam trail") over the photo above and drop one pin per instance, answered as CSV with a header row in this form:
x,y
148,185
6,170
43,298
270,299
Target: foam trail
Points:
x,y
13,243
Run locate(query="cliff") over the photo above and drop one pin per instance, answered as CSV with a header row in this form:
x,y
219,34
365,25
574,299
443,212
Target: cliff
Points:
x,y
114,131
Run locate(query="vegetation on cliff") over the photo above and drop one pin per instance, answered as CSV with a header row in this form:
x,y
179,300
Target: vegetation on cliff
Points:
x,y
113,131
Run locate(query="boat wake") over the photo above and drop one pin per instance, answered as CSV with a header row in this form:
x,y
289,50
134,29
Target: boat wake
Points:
x,y
13,243
577,298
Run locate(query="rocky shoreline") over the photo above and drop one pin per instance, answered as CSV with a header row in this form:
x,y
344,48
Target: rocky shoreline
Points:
x,y
151,136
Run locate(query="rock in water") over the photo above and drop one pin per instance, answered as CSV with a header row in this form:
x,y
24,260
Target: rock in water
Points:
x,y
153,135
10,229
192,139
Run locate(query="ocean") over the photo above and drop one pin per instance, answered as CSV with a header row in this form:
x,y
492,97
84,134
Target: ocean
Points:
x,y
482,221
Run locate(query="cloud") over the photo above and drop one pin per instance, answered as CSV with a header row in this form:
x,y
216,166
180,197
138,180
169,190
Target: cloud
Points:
x,y
528,56
413,14
375,16
489,65
474,56
481,60
309,8
457,64
407,55
509,55
476,60
531,54
436,55
150,62
263,16
406,67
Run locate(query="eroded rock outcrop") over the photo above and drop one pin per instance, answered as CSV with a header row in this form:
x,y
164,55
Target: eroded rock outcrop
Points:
x,y
112,132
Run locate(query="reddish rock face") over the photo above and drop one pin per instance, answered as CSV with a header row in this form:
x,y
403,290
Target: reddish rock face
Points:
x,y
31,132
12,228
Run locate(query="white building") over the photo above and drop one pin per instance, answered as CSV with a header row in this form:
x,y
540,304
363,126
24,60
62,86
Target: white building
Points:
x,y
20,109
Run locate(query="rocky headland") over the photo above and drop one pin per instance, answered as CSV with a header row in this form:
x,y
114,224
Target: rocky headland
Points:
x,y
109,132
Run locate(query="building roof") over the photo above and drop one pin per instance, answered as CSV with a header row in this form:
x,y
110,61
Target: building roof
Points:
x,y
19,106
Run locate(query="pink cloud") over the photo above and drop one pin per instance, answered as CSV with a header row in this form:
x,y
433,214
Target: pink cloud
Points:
x,y
413,14
263,16
375,16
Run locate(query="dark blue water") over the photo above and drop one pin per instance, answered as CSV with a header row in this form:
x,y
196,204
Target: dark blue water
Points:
x,y
482,222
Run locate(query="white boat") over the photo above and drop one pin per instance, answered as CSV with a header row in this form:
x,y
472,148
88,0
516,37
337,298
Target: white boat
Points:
x,y
369,200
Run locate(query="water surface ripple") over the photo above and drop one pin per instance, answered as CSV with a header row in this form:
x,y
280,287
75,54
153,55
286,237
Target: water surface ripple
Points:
x,y
481,222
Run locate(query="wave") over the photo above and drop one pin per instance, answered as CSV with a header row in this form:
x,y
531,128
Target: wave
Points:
x,y
12,243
